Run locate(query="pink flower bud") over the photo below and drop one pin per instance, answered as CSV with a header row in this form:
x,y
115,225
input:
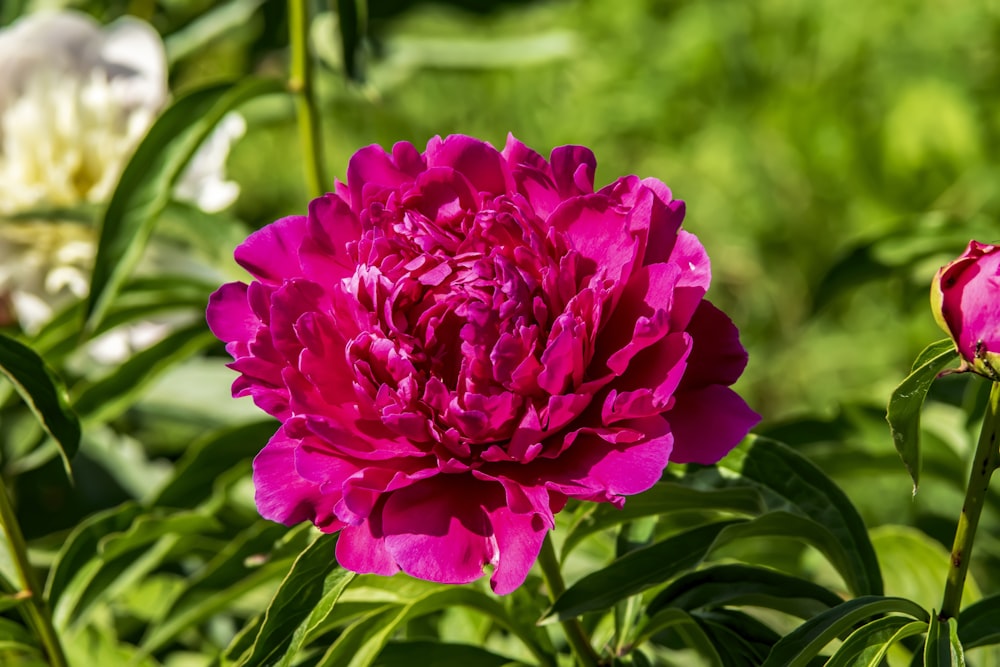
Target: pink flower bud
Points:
x,y
965,298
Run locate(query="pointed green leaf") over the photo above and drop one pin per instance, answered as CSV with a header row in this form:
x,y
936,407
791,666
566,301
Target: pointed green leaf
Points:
x,y
868,645
401,654
307,594
733,585
800,646
903,413
681,623
147,182
943,648
791,483
44,393
636,571
979,623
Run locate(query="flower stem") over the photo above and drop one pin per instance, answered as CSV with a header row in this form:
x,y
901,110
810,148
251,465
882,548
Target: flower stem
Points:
x,y
577,637
300,84
986,460
35,608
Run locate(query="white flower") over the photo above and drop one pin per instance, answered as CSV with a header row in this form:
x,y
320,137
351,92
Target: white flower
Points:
x,y
75,101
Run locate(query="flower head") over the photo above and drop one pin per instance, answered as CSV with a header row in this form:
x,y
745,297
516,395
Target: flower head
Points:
x,y
457,341
965,298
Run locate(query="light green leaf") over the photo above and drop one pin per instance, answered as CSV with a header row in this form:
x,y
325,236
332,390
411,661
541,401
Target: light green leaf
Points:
x,y
305,597
868,645
801,645
943,648
44,393
903,413
680,622
145,186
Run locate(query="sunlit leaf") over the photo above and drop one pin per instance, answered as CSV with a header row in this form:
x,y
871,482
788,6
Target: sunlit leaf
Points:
x,y
943,648
145,186
903,413
800,646
868,645
44,393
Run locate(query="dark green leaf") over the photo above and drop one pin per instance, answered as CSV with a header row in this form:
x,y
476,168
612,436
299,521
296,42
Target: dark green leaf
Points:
x,y
979,623
44,393
867,646
903,413
663,498
145,186
636,572
679,623
800,646
791,483
307,594
943,648
734,585
437,654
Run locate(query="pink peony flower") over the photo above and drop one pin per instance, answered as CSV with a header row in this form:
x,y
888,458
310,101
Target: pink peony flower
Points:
x,y
458,341
965,298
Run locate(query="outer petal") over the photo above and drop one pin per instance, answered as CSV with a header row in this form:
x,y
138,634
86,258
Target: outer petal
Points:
x,y
271,254
438,530
284,496
717,357
707,423
479,162
229,315
362,548
696,275
518,540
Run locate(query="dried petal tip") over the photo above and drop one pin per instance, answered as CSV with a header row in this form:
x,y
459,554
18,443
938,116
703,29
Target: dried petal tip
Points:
x,y
965,299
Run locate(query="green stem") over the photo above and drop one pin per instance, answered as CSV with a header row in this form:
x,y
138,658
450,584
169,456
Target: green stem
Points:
x,y
300,84
35,609
986,460
577,637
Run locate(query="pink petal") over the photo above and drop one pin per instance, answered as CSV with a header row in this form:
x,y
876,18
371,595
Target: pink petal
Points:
x,y
519,539
438,530
271,253
229,315
372,167
696,275
707,423
573,170
479,162
599,233
717,357
362,548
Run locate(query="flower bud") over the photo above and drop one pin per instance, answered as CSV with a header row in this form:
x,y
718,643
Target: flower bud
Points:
x,y
965,298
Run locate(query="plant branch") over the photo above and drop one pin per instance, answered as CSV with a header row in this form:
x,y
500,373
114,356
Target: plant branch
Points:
x,y
35,607
985,461
300,85
577,637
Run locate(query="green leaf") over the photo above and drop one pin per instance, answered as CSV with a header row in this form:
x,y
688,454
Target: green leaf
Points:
x,y
44,393
793,484
801,645
209,457
733,585
636,571
360,644
306,596
145,186
868,645
903,413
979,623
664,498
682,624
401,654
234,571
943,648
113,394
81,545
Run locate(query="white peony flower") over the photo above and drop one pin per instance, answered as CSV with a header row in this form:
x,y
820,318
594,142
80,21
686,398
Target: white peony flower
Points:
x,y
75,101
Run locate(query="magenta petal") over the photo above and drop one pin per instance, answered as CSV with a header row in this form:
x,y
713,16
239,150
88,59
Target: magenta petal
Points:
x,y
282,495
437,529
271,253
229,315
707,423
362,549
696,275
479,162
717,357
519,539
598,232
573,169
371,166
